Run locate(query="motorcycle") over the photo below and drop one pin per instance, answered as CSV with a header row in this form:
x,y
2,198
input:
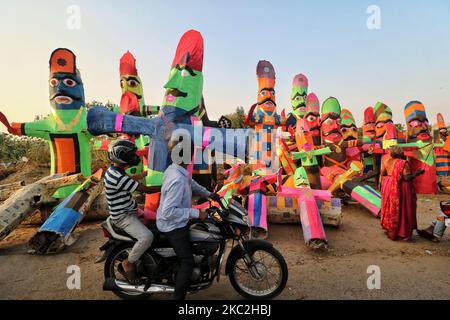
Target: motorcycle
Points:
x,y
255,268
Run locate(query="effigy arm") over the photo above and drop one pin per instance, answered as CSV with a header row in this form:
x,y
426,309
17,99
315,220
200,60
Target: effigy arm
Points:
x,y
322,151
324,195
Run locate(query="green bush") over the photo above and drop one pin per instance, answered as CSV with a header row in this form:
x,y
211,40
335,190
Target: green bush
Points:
x,y
13,148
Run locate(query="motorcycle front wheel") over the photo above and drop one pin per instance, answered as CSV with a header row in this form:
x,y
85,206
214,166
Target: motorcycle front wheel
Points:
x,y
269,276
114,259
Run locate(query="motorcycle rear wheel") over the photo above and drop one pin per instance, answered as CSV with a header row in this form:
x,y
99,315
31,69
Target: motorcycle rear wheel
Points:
x,y
119,254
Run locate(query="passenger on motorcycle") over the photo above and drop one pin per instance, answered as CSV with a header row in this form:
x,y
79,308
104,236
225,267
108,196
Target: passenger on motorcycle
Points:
x,y
175,210
121,204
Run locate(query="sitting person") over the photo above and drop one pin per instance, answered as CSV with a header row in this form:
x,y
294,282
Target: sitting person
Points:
x,y
175,211
122,206
398,197
435,232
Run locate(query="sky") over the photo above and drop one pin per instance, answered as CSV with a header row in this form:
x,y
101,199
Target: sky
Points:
x,y
408,58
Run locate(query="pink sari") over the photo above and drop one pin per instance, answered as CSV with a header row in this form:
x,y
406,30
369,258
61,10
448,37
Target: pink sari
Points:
x,y
398,204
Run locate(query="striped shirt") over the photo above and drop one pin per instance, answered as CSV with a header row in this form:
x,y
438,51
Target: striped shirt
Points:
x,y
119,188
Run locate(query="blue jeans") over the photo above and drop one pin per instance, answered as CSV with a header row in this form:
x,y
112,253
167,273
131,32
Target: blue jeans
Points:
x,y
439,226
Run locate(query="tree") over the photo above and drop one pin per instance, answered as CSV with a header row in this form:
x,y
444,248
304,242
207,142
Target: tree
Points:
x,y
237,118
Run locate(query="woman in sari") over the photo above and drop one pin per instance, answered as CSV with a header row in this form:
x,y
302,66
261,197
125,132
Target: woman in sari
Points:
x,y
398,197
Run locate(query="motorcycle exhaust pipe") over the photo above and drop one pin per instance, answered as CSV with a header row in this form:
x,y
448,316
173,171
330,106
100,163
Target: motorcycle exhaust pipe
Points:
x,y
117,285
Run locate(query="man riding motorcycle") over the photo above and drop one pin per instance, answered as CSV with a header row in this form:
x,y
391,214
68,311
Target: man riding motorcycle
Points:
x,y
175,210
121,204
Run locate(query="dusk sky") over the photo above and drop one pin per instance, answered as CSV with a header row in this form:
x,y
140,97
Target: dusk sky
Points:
x,y
329,41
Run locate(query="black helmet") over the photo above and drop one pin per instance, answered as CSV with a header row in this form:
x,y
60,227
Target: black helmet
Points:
x,y
123,152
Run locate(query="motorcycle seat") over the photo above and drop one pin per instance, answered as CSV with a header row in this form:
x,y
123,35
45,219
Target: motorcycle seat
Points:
x,y
160,239
121,232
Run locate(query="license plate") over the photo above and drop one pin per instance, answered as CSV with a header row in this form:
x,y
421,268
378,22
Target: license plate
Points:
x,y
447,222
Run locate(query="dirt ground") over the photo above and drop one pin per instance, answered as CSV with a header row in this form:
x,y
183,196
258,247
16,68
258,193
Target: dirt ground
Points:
x,y
409,270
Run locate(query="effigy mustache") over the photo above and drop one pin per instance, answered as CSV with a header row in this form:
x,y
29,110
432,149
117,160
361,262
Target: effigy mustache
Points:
x,y
418,134
64,94
266,100
331,132
176,93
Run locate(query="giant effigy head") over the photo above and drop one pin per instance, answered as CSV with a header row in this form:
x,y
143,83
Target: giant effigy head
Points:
x,y
265,74
348,126
330,121
299,95
383,115
312,116
369,123
131,85
417,122
65,84
185,85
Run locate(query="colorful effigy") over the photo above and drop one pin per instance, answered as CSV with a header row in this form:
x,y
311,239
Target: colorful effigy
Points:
x,y
264,117
301,161
132,103
65,128
312,118
370,134
180,110
298,99
265,120
350,133
423,157
442,156
334,163
307,198
335,168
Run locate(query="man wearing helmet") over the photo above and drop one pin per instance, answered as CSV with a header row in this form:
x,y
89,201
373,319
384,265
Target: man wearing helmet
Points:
x,y
122,206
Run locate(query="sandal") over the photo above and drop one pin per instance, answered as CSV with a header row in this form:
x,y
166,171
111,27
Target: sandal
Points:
x,y
129,274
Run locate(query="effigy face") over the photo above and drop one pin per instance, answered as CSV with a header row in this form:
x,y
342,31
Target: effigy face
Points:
x,y
184,88
265,73
66,92
299,95
185,85
312,117
369,124
380,126
65,84
330,122
348,126
131,85
383,115
417,122
349,132
304,138
266,100
331,128
312,123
